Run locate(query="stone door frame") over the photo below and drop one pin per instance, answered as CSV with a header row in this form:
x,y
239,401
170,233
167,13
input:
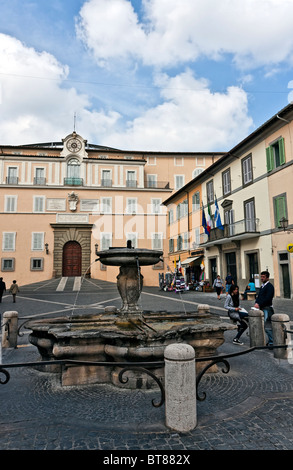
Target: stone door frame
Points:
x,y
64,233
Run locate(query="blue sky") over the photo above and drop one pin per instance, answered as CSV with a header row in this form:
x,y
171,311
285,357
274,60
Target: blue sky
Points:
x,y
157,75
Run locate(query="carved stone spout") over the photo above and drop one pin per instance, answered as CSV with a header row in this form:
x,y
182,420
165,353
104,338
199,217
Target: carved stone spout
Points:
x,y
129,284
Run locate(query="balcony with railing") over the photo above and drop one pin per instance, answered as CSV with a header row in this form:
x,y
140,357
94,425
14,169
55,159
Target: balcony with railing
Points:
x,y
11,180
73,181
157,184
39,181
240,230
131,183
106,182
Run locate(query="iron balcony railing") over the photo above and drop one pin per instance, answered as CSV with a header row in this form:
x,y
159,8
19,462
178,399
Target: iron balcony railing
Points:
x,y
106,182
73,181
244,228
11,180
157,184
131,183
39,180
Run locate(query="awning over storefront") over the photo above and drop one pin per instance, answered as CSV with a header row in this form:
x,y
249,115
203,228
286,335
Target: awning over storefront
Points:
x,y
190,260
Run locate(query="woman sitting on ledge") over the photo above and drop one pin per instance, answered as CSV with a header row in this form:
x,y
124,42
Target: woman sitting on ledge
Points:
x,y
236,313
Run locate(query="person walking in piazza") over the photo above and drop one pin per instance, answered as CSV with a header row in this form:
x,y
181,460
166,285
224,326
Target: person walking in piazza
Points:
x,y
14,290
218,285
236,313
229,281
2,288
264,302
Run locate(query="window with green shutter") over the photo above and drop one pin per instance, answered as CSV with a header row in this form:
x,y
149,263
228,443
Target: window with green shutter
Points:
x,y
280,209
275,154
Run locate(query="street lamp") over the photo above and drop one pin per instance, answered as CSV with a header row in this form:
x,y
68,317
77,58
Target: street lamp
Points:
x,y
284,224
47,248
96,249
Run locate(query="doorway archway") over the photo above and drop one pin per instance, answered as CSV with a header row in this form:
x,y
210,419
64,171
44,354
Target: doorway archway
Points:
x,y
71,264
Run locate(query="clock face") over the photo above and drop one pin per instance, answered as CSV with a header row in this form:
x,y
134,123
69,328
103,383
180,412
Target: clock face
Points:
x,y
73,145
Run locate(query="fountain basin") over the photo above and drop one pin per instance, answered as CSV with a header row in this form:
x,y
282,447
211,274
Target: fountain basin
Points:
x,y
105,338
129,256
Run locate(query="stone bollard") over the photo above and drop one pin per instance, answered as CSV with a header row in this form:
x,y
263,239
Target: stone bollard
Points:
x,y
180,387
256,328
9,330
203,310
280,322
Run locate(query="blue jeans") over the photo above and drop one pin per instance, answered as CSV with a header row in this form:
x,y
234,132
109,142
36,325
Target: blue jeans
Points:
x,y
267,321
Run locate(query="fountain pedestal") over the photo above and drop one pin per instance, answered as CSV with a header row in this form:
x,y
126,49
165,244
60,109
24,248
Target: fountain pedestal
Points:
x,y
129,284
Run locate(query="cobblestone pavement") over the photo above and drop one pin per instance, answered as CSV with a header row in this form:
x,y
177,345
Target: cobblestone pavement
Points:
x,y
250,408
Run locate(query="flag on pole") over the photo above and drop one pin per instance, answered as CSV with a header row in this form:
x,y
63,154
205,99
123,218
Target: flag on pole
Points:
x,y
204,222
218,222
209,219
179,265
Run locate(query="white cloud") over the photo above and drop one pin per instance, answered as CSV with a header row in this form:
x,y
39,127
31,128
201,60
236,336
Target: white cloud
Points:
x,y
255,32
189,117
196,120
35,107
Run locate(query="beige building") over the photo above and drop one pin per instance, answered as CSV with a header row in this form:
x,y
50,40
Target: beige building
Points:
x,y
184,230
253,187
60,202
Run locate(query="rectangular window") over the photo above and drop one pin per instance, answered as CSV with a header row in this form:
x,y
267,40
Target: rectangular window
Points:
x,y
40,176
280,209
179,181
106,205
157,241
226,182
10,204
131,181
171,245
12,177
106,240
7,264
156,206
249,214
182,209
39,204
152,160
106,178
178,161
179,243
210,191
195,201
230,222
38,241
185,241
247,176
8,241
171,216
37,264
275,154
197,236
131,207
152,181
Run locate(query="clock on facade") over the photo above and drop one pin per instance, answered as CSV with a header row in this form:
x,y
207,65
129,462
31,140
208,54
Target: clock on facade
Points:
x,y
73,145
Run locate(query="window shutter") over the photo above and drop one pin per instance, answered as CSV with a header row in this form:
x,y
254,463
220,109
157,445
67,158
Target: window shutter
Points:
x,y
270,158
280,209
282,151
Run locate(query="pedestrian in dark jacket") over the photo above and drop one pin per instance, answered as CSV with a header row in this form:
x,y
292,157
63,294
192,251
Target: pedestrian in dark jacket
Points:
x,y
2,288
264,302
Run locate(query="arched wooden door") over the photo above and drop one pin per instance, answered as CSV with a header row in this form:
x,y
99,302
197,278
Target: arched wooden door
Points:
x,y
71,265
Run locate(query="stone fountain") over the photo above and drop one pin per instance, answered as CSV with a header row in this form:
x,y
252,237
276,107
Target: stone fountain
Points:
x,y
128,334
